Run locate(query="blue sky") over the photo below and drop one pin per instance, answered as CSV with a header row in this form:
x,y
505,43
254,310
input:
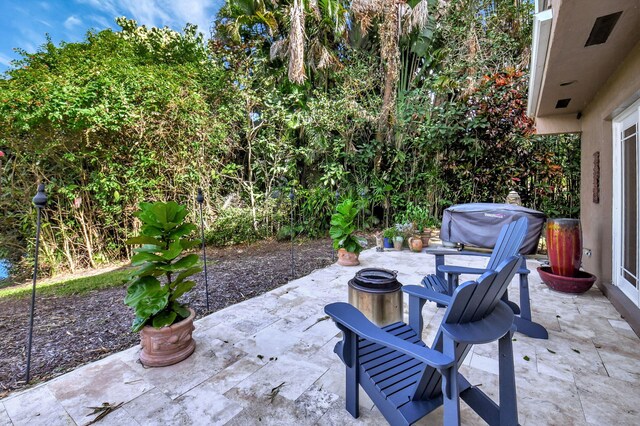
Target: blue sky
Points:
x,y
24,23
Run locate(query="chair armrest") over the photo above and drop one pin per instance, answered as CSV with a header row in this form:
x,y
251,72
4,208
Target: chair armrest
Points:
x,y
426,294
457,270
353,320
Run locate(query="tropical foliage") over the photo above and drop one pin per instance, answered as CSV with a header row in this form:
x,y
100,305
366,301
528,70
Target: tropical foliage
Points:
x,y
413,104
343,228
163,239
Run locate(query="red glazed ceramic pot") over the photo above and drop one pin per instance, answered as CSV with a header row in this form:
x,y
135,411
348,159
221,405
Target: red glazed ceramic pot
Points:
x,y
564,246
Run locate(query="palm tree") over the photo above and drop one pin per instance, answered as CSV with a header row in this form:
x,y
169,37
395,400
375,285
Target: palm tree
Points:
x,y
397,19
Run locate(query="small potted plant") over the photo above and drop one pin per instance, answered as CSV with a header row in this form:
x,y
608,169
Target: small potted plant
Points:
x,y
165,324
388,235
342,232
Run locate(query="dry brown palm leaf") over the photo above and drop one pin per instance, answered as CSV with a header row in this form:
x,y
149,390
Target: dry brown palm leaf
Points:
x,y
365,11
328,60
313,5
416,18
278,49
296,44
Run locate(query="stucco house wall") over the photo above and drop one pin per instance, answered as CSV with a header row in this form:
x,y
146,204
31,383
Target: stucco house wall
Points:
x,y
620,91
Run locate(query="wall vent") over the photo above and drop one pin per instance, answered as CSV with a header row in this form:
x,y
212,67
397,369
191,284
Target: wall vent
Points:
x,y
563,103
602,29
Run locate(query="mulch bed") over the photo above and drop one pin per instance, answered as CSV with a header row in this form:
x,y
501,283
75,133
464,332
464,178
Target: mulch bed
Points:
x,y
74,330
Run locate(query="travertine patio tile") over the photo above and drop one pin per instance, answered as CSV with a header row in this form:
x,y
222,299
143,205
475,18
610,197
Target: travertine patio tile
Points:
x,y
4,417
110,381
154,407
609,401
621,367
210,357
337,415
296,374
206,407
563,357
36,406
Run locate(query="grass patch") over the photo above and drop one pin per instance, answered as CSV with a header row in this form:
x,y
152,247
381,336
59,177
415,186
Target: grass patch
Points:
x,y
72,286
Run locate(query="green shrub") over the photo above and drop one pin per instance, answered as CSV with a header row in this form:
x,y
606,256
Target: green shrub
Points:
x,y
234,225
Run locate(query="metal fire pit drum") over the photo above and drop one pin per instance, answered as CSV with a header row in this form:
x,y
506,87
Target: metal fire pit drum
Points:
x,y
377,294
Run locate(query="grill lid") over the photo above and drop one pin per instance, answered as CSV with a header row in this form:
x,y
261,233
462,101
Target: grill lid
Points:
x,y
375,280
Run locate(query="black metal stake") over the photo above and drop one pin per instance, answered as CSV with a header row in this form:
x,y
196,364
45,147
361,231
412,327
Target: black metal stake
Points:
x,y
292,260
40,200
333,252
200,200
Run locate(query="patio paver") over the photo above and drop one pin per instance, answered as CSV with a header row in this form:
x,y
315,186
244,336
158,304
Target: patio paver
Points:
x,y
588,372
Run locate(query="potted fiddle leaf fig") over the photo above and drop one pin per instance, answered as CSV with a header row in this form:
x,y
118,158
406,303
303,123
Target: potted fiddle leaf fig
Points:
x,y
164,322
342,232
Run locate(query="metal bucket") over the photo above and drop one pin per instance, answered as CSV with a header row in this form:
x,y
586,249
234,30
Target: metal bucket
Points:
x,y
377,294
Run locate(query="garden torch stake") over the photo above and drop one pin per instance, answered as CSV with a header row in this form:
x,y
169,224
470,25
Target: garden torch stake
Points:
x,y
292,261
200,200
333,252
40,200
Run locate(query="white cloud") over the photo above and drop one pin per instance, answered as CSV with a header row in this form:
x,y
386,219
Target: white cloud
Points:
x,y
100,20
72,22
5,60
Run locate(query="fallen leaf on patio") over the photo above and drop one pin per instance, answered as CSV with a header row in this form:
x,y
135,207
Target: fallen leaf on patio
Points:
x,y
260,356
575,350
526,358
275,391
102,411
553,352
317,321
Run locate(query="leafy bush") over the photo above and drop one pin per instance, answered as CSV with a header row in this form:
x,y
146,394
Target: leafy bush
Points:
x,y
234,225
164,238
343,228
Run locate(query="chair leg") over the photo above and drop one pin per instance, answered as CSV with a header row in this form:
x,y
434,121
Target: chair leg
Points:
x,y
508,400
450,392
353,378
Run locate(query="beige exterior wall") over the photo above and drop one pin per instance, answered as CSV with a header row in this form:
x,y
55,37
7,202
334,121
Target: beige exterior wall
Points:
x,y
620,91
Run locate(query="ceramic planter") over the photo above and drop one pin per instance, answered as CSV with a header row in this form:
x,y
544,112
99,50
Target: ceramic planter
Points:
x,y
346,258
388,242
564,246
167,345
415,244
397,243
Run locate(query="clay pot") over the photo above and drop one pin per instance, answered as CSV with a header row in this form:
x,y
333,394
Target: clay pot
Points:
x,y
564,246
579,283
167,345
415,244
346,258
397,243
425,236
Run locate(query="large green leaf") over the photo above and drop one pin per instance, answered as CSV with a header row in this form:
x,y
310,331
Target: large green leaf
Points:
x,y
138,323
181,289
189,244
180,309
182,230
147,296
175,248
185,262
140,258
188,272
164,318
144,239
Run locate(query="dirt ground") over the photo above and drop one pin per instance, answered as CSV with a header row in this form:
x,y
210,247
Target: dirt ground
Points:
x,y
74,330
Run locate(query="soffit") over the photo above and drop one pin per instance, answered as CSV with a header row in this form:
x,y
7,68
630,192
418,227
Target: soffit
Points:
x,y
589,67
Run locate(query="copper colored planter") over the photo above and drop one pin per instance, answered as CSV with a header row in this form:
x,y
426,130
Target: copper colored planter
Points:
x,y
564,246
346,258
167,345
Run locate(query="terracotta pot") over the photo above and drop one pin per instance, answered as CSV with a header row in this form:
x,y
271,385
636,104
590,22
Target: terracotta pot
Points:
x,y
415,244
346,258
425,236
167,345
564,246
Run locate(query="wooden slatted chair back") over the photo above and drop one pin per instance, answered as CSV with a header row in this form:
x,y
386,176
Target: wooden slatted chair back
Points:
x,y
471,302
509,242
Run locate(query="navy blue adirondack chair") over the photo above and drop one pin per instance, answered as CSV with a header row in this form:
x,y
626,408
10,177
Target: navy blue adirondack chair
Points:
x,y
406,379
508,244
